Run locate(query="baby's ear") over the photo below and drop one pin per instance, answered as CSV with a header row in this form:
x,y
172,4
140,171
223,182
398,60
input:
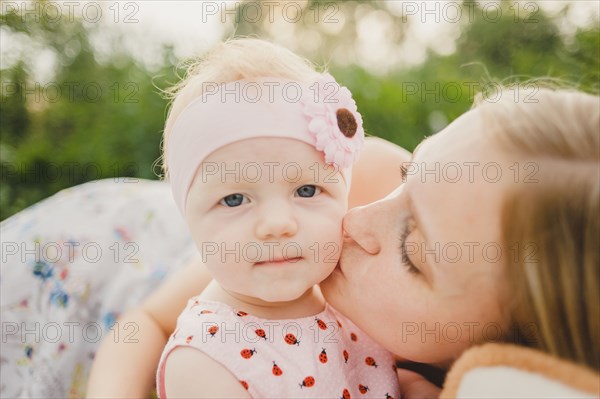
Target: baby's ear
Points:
x,y
377,172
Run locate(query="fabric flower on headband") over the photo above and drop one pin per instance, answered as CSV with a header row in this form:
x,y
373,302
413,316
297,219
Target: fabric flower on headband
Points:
x,y
334,121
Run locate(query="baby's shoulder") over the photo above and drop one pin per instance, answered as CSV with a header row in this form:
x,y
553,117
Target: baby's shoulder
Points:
x,y
205,318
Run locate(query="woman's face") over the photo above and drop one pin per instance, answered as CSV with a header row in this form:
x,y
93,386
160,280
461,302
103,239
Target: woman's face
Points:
x,y
422,270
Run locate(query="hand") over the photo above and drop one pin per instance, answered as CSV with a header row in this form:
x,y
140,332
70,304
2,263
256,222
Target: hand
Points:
x,y
415,386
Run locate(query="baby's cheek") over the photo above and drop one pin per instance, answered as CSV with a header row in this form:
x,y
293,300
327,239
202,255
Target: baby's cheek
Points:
x,y
328,254
228,277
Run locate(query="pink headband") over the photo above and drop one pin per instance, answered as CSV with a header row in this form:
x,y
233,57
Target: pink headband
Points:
x,y
322,114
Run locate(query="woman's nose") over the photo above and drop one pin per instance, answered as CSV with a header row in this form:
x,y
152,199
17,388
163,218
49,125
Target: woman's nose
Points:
x,y
358,225
276,220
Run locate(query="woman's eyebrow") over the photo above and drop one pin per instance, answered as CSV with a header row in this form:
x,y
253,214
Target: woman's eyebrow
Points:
x,y
412,204
416,215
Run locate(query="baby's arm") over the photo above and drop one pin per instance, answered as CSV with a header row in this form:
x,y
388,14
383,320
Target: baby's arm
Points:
x,y
190,373
377,171
127,369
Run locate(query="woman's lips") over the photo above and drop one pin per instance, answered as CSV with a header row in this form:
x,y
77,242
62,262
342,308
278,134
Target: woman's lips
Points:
x,y
278,262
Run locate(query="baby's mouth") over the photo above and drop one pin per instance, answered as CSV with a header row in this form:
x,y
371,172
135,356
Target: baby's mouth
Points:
x,y
278,261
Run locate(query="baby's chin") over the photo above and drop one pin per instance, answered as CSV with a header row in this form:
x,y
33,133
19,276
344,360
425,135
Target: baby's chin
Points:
x,y
283,294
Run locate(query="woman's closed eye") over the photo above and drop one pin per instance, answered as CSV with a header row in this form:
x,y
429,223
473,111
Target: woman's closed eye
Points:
x,y
307,191
409,226
233,200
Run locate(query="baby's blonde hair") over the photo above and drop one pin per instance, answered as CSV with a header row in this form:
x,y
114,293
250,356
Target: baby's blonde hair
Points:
x,y
235,59
551,217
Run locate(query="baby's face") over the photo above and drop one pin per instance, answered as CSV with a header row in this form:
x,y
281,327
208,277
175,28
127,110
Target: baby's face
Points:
x,y
266,215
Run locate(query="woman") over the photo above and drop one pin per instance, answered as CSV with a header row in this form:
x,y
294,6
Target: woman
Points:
x,y
508,253
493,237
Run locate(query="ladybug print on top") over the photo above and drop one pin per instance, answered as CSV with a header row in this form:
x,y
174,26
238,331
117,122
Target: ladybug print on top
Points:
x,y
261,333
212,330
247,353
321,324
291,339
323,356
291,358
308,382
277,370
370,361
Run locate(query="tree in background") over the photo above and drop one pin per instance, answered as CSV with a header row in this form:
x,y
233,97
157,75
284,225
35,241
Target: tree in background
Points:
x,y
92,120
104,118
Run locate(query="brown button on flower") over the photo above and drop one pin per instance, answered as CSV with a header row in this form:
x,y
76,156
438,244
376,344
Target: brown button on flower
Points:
x,y
346,122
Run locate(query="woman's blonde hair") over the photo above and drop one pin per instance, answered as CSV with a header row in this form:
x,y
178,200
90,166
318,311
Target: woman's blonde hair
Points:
x,y
235,59
551,218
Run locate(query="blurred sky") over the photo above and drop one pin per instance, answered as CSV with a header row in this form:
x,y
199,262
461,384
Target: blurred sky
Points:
x,y
142,27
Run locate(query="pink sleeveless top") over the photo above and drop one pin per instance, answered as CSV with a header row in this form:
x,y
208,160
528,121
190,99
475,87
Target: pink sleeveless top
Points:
x,y
321,356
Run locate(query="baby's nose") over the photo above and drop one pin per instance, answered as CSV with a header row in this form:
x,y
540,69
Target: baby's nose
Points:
x,y
276,221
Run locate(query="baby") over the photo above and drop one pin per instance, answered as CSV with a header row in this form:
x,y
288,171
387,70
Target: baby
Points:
x,y
259,149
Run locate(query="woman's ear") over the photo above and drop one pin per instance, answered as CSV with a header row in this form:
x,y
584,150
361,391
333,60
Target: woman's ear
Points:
x,y
377,171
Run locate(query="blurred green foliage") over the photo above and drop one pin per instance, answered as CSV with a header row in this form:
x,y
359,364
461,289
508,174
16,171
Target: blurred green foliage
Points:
x,y
104,118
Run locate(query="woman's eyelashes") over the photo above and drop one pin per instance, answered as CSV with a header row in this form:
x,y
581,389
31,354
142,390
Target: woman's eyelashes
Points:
x,y
409,226
237,199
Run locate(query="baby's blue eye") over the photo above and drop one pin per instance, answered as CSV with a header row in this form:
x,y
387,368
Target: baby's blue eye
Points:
x,y
308,191
233,200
